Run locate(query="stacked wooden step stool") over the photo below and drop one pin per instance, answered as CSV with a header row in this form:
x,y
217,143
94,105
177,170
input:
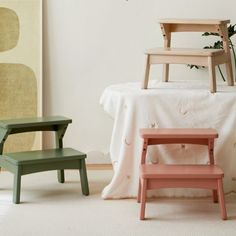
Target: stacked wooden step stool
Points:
x,y
202,57
155,176
22,163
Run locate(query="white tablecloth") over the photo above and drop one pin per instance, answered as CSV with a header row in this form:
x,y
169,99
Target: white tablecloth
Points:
x,y
175,104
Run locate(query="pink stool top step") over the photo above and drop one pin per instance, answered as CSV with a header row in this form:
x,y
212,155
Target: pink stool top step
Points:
x,y
178,133
161,171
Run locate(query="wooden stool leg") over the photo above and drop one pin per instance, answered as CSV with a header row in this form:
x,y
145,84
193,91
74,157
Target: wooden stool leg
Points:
x,y
212,75
17,186
143,198
221,199
61,176
147,70
229,71
223,32
139,191
83,178
165,75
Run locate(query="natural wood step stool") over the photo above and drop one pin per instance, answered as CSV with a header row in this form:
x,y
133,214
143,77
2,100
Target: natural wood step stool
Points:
x,y
22,163
202,57
154,176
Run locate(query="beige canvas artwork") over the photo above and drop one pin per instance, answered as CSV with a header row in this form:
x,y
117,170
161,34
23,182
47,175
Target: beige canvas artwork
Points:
x,y
21,67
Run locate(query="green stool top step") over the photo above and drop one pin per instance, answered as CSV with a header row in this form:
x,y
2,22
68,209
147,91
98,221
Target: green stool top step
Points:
x,y
33,124
35,121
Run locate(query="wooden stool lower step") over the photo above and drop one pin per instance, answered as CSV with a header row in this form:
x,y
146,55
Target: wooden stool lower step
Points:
x,y
180,176
22,163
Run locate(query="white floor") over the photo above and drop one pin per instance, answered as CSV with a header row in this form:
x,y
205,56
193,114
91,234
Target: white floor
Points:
x,y
52,209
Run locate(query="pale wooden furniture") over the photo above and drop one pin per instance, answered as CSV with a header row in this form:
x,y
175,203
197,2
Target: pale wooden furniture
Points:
x,y
154,176
59,158
202,57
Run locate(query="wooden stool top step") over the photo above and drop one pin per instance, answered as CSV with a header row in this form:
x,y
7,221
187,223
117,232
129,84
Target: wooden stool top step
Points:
x,y
42,156
194,21
192,25
171,171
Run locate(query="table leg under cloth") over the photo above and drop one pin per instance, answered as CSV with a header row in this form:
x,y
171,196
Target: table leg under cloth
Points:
x,y
178,104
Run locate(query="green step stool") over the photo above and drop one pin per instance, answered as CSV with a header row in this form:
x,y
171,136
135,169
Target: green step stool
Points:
x,y
22,163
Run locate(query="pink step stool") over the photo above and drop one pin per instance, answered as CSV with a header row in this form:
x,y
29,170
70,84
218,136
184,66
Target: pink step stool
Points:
x,y
154,176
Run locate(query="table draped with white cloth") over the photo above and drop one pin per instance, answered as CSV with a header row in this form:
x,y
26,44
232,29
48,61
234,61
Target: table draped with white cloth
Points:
x,y
176,104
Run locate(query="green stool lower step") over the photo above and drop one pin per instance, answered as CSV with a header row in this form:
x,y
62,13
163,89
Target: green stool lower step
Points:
x,y
22,163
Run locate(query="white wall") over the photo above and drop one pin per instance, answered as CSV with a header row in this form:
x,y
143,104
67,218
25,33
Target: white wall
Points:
x,y
90,44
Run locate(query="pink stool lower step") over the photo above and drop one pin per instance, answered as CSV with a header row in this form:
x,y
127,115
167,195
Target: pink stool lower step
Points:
x,y
162,171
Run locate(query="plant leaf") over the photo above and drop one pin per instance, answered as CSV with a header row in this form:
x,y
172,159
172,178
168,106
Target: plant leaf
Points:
x,y
193,66
231,30
209,34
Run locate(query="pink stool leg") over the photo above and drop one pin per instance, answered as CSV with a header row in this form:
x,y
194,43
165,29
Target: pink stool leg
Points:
x,y
212,161
143,198
221,199
215,196
139,191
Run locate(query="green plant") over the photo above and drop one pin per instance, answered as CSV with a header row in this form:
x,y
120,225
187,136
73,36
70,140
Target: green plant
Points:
x,y
219,45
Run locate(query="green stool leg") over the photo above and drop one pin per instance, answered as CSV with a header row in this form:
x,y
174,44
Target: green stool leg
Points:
x,y
83,178
61,176
17,186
